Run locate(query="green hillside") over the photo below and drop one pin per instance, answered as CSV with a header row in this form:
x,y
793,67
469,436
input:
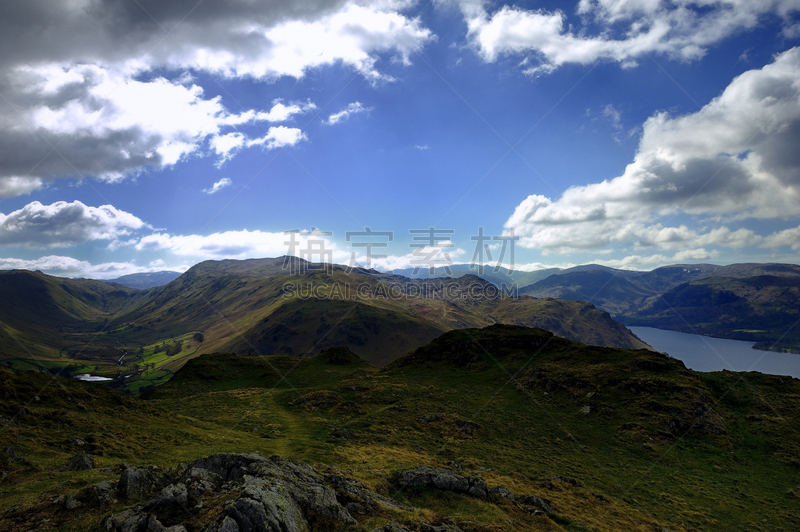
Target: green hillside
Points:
x,y
563,436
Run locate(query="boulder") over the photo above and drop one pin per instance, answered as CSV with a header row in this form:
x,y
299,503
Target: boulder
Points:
x,y
79,462
139,482
443,479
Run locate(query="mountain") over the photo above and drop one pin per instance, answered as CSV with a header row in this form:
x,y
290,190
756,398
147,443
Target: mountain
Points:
x,y
143,281
500,277
500,428
43,317
259,307
755,302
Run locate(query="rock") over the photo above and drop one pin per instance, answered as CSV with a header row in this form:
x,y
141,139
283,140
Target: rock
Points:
x,y
429,418
139,482
585,409
443,479
425,527
342,434
261,493
79,462
391,527
70,502
14,457
467,427
357,498
600,497
101,494
501,491
174,500
78,442
534,501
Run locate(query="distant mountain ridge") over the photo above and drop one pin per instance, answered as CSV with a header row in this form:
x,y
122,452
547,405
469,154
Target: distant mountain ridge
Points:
x,y
143,281
755,302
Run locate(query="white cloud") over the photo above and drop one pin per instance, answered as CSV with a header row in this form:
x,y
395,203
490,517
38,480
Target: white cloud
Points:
x,y
219,185
227,145
94,95
63,224
422,147
70,267
279,137
242,244
787,238
351,109
736,158
628,30
16,186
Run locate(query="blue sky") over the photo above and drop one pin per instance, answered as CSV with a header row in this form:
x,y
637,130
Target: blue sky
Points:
x,y
138,136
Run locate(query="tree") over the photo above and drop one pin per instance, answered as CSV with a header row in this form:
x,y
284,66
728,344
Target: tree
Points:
x,y
198,337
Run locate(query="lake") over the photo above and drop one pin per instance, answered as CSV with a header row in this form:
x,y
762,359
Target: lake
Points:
x,y
703,353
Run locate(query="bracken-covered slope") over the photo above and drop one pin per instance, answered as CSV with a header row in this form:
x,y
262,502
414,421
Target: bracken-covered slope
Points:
x,y
502,428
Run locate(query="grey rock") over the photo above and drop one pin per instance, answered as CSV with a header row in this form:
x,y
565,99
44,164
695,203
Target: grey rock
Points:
x,y
14,457
173,499
139,482
534,501
501,491
391,527
130,520
425,527
429,418
70,502
79,462
103,494
443,479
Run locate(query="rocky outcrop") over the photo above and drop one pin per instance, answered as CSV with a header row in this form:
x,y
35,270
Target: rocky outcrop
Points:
x,y
262,493
443,479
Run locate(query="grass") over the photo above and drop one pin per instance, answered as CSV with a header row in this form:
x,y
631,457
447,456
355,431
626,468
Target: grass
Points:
x,y
734,467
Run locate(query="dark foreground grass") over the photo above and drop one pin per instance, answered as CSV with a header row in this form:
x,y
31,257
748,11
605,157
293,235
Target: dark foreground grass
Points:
x,y
613,439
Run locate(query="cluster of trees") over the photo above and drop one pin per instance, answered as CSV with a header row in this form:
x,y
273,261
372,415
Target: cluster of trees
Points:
x,y
170,349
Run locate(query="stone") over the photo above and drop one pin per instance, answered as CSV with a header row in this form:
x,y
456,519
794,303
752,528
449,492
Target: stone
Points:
x,y
443,479
501,491
174,499
139,482
534,501
79,462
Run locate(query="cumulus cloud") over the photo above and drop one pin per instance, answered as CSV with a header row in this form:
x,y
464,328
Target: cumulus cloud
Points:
x,y
105,93
736,158
63,224
219,185
242,244
626,30
279,137
69,267
352,109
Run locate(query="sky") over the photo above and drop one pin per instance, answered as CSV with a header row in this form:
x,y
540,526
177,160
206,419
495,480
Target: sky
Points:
x,y
143,135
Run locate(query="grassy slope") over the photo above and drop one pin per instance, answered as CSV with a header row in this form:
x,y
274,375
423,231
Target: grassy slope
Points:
x,y
245,307
667,447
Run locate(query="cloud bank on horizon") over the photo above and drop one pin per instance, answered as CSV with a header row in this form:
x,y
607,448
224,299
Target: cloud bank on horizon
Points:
x,y
102,94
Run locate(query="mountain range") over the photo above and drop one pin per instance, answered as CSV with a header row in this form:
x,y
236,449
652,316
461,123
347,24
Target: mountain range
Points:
x,y
754,302
260,307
